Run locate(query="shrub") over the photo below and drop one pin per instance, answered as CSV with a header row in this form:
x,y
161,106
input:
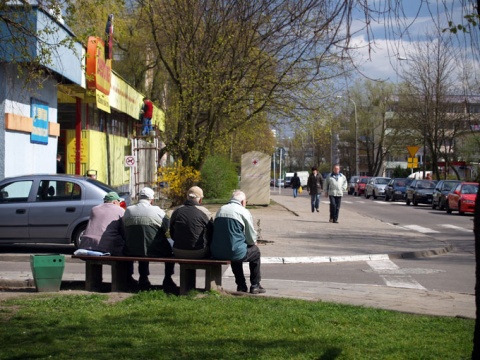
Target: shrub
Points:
x,y
219,178
179,179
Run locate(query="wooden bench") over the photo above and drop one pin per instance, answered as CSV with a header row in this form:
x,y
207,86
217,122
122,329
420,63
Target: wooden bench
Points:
x,y
121,271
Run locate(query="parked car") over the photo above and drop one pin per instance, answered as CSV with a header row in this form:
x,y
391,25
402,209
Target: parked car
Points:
x,y
462,198
279,183
420,192
49,208
396,188
351,184
376,187
360,186
441,191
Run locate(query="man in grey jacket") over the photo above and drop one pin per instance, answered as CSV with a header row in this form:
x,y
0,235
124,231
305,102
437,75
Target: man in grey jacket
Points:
x,y
336,185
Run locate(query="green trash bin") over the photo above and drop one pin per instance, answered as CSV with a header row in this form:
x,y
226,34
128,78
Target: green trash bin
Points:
x,y
47,271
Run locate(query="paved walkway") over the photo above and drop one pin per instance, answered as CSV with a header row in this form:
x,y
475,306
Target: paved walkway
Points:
x,y
290,233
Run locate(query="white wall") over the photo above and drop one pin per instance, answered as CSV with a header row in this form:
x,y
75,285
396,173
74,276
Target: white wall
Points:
x,y
20,155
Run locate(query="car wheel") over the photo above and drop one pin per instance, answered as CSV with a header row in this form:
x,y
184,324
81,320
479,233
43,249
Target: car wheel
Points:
x,y
447,207
459,207
366,195
77,234
386,197
441,204
374,195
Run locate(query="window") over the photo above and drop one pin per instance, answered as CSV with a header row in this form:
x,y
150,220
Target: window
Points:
x,y
51,190
15,192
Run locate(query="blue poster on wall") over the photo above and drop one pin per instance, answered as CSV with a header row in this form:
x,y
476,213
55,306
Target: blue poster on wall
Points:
x,y
39,113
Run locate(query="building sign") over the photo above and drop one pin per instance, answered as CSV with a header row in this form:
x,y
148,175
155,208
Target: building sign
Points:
x,y
103,101
99,69
71,150
39,113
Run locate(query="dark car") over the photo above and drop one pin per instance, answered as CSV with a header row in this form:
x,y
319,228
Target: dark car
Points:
x,y
441,191
396,189
48,208
420,192
360,186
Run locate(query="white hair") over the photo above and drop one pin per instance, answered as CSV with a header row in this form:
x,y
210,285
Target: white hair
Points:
x,y
239,195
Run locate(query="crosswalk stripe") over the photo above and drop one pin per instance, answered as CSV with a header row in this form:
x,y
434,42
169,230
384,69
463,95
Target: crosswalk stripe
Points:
x,y
421,229
455,227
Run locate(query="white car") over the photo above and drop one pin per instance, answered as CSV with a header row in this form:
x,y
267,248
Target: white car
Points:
x,y
376,187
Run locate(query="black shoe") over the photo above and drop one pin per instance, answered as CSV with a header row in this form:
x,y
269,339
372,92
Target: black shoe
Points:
x,y
257,289
169,284
131,281
318,210
331,220
242,288
335,221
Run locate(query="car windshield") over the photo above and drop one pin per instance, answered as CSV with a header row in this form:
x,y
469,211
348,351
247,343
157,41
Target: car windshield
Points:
x,y
363,180
449,185
470,189
383,181
425,185
400,183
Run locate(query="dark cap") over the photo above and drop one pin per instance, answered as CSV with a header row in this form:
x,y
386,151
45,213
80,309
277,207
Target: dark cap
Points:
x,y
314,168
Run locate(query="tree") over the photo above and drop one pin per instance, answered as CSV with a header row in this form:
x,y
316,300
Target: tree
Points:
x,y
427,103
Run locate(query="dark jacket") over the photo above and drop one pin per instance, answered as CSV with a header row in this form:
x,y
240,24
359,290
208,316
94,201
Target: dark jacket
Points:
x,y
191,227
315,184
295,182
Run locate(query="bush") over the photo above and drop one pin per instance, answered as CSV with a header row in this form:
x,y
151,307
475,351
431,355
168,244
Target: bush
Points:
x,y
399,172
219,178
179,179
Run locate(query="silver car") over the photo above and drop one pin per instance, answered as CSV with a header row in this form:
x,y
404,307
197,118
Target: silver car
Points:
x,y
376,187
48,208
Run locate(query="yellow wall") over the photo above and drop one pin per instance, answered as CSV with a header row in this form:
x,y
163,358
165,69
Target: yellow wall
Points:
x,y
94,156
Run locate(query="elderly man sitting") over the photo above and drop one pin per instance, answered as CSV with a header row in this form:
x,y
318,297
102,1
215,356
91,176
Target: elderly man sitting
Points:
x,y
191,227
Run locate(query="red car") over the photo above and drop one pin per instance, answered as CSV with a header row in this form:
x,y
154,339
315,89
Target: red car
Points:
x,y
361,185
462,198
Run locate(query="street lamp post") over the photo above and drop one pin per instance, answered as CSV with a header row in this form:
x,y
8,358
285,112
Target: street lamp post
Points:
x,y
356,136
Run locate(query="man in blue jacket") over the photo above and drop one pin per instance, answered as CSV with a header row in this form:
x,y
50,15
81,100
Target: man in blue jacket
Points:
x,y
234,239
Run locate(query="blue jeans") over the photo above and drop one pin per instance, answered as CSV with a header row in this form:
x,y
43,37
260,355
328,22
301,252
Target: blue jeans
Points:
x,y
295,192
147,126
315,200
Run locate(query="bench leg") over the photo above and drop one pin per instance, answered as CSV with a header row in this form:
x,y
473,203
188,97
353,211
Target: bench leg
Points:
x,y
120,275
93,276
188,278
213,277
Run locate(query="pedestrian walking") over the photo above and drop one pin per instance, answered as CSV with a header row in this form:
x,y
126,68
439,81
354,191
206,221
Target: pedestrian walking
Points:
x,y
295,182
335,185
315,188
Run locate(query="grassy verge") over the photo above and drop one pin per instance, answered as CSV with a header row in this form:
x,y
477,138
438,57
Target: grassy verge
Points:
x,y
152,325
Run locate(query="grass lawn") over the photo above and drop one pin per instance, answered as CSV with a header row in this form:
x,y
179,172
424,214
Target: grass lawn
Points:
x,y
152,325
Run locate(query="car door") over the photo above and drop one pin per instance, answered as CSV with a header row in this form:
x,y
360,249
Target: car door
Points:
x,y
14,209
58,204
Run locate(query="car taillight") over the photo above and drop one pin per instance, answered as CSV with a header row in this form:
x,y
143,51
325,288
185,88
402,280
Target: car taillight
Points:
x,y
123,204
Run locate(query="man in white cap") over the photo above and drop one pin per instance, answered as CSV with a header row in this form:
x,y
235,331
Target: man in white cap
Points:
x,y
235,238
145,235
104,232
191,227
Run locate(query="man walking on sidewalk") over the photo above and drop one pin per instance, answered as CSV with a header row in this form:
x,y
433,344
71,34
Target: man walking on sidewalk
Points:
x,y
315,187
336,185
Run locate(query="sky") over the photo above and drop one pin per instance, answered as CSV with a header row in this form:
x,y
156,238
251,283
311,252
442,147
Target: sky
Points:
x,y
387,49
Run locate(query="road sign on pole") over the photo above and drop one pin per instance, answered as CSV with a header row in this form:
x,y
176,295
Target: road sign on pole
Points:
x,y
412,150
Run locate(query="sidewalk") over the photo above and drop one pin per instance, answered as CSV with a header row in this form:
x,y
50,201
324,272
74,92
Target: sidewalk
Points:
x,y
291,233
